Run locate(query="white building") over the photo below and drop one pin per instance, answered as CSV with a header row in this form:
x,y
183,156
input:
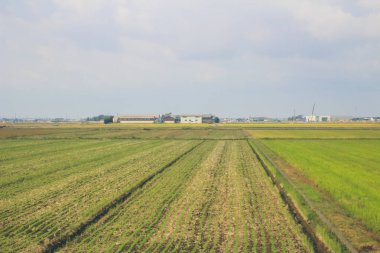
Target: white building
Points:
x,y
315,118
311,118
136,118
192,119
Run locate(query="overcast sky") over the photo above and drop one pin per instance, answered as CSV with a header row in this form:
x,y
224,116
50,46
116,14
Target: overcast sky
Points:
x,y
73,58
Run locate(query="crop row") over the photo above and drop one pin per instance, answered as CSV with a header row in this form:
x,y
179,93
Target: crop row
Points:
x,y
215,199
66,187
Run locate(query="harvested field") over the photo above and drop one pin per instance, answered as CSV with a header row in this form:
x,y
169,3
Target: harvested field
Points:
x,y
217,198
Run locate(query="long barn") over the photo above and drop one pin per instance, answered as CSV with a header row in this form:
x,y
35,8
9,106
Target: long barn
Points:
x,y
136,118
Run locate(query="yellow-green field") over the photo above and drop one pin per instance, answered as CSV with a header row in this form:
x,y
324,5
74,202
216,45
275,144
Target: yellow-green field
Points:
x,y
348,170
170,188
369,133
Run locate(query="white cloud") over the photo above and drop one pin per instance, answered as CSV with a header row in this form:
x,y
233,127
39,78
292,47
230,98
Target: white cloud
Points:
x,y
82,7
372,5
331,22
168,45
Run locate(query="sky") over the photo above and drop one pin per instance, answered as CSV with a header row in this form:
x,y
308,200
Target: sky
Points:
x,y
240,58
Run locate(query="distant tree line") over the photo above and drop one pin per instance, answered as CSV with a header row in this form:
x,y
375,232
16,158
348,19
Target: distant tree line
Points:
x,y
105,118
296,118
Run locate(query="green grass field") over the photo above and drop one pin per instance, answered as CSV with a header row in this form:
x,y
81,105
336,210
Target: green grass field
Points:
x,y
316,134
152,188
348,170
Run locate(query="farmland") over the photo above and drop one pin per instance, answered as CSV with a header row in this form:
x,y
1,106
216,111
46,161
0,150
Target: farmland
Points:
x,y
336,172
316,134
217,202
353,168
151,132
44,194
341,177
193,189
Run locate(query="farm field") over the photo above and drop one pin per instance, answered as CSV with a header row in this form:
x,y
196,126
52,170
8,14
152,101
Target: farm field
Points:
x,y
341,178
129,194
315,134
148,132
349,171
193,189
50,190
213,200
251,125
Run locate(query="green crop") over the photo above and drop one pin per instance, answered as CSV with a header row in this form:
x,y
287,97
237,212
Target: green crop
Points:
x,y
347,169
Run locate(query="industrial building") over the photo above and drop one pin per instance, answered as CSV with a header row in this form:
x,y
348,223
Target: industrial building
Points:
x,y
197,118
136,118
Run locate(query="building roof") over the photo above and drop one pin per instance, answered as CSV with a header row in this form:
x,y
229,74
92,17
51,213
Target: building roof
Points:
x,y
191,115
139,116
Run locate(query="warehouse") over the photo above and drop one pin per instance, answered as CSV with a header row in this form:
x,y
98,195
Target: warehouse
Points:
x,y
207,118
136,118
168,119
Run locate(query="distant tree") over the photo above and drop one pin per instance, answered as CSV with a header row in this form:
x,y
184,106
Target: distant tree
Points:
x,y
164,117
105,118
108,119
216,120
96,118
